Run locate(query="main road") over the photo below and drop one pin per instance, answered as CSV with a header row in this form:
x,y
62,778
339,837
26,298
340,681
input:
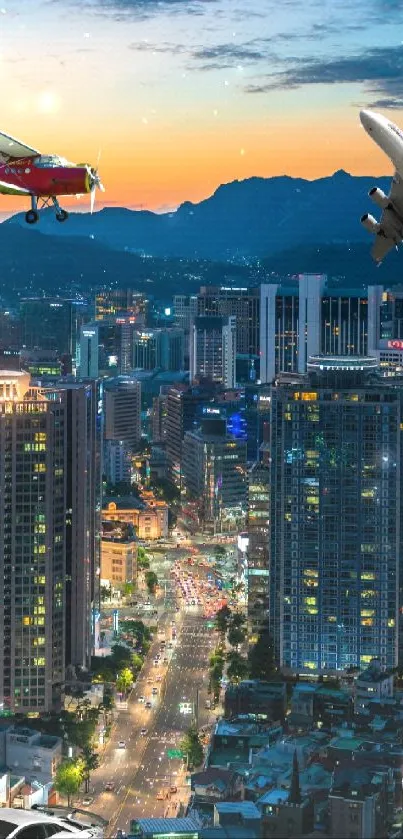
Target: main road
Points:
x,y
139,767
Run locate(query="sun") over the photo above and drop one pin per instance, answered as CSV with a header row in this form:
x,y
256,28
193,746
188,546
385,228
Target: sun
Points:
x,y
48,102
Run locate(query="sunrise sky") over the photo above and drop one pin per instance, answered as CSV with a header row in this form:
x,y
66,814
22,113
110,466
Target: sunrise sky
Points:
x,y
182,95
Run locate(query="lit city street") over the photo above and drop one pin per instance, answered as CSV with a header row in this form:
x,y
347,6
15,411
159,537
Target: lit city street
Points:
x,y
135,766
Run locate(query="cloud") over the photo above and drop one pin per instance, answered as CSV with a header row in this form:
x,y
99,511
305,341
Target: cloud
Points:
x,y
386,104
226,52
121,10
379,69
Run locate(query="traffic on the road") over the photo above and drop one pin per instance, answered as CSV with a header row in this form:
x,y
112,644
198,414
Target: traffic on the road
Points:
x,y
142,772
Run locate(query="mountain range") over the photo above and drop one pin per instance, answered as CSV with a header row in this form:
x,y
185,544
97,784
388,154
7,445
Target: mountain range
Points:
x,y
246,231
242,220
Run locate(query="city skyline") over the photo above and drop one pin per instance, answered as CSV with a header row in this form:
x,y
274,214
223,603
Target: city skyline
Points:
x,y
182,95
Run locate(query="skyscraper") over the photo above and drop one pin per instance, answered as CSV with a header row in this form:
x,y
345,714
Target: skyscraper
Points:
x,y
32,545
257,525
213,349
308,318
121,301
214,471
335,516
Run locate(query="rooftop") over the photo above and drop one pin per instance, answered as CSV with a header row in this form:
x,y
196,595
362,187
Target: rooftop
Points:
x,y
247,809
165,826
349,363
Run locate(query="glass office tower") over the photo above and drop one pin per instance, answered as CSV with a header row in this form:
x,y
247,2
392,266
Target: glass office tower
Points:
x,y
335,516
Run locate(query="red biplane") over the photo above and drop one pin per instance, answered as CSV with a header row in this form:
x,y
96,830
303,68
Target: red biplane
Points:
x,y
25,171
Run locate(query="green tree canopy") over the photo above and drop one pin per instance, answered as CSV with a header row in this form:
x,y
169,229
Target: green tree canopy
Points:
x,y
237,667
151,581
90,761
124,680
69,777
222,620
261,657
191,747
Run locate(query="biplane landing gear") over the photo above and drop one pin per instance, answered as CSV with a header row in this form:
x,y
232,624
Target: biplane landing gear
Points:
x,y
31,217
61,215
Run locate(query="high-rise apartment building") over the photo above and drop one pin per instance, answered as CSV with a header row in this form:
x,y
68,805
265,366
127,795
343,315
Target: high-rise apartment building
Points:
x,y
335,530
83,474
213,349
257,526
32,545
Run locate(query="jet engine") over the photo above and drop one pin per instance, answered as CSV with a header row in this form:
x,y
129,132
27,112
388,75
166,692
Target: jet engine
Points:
x,y
379,198
370,224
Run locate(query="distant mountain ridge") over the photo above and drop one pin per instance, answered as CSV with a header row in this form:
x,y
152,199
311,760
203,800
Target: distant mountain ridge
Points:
x,y
242,222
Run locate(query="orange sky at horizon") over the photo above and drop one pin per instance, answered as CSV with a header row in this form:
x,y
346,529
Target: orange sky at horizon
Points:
x,y
163,169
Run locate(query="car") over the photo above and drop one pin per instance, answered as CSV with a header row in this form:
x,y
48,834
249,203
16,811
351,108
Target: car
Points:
x,y
17,824
142,699
121,744
155,691
87,801
159,679
109,786
143,732
165,661
149,705
173,789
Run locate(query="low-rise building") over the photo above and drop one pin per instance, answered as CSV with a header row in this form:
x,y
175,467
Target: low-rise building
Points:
x,y
156,828
253,696
215,784
372,683
34,755
359,804
118,553
147,514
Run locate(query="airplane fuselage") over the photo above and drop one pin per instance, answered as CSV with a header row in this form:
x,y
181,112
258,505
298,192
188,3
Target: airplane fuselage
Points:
x,y
38,178
387,135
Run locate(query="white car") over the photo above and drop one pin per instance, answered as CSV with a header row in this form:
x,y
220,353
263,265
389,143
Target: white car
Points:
x,y
32,824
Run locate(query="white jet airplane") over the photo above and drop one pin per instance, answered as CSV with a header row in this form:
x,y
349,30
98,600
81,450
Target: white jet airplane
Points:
x,y
389,230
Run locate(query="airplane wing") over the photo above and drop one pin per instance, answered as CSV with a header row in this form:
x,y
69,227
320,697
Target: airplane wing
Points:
x,y
381,247
13,189
383,244
12,149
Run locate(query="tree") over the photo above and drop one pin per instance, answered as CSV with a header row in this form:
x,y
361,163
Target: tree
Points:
x,y
143,561
151,581
191,747
106,593
261,657
90,763
236,629
222,619
219,552
69,777
237,667
121,657
128,589
124,680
